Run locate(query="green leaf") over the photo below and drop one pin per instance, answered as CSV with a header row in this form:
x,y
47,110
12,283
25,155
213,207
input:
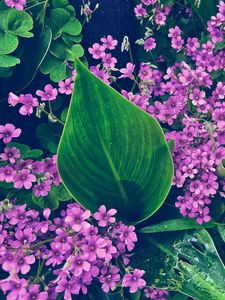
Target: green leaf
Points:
x,y
59,3
179,296
221,230
175,225
19,23
64,114
78,50
38,46
73,27
59,16
206,9
8,42
57,193
193,267
113,153
59,72
49,64
34,153
8,61
171,145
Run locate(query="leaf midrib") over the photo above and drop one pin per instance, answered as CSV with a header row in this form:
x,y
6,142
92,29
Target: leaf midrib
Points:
x,y
113,168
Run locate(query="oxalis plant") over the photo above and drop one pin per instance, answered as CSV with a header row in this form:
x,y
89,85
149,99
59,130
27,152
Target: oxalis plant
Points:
x,y
112,176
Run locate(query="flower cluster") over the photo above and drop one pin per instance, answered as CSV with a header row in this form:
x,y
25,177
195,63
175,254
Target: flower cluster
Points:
x,y
102,52
25,173
49,93
46,257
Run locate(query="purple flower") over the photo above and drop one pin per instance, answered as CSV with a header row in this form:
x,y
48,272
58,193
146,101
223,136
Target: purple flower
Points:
x,y
8,132
7,174
13,99
100,74
97,51
79,264
140,11
15,286
203,216
48,94
95,247
76,218
10,154
134,281
24,179
128,236
104,217
29,102
109,42
23,263
23,237
109,278
109,62
149,44
55,256
42,189
35,294
197,97
18,4
128,71
18,215
66,87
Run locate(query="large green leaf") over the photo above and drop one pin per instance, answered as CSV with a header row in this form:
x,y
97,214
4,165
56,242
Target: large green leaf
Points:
x,y
192,265
113,153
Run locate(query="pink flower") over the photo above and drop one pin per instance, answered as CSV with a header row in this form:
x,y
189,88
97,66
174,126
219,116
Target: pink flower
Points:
x,y
7,174
18,4
128,71
97,51
8,132
134,281
23,262
79,264
28,102
76,218
13,99
104,217
42,189
203,216
149,44
109,61
24,179
100,74
48,94
140,11
109,42
66,87
10,154
160,19
197,97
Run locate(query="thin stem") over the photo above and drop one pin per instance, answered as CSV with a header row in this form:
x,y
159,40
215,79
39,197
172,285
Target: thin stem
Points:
x,y
41,243
57,119
29,7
